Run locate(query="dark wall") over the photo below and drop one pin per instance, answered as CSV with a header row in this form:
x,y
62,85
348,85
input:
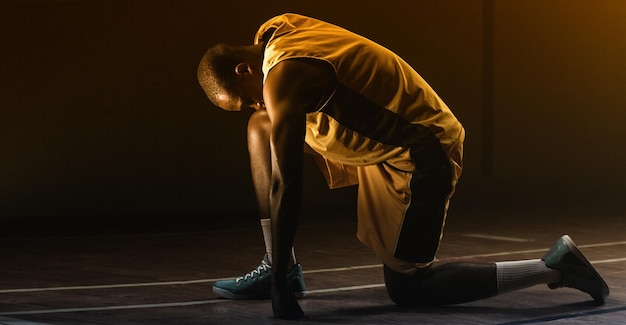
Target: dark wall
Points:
x,y
560,99
101,114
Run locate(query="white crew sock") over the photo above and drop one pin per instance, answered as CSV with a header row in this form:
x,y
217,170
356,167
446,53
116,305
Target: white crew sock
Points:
x,y
517,275
266,226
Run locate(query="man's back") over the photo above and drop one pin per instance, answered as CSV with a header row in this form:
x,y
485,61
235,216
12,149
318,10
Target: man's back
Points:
x,y
377,92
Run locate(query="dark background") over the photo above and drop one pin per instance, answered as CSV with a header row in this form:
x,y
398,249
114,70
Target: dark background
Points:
x,y
101,116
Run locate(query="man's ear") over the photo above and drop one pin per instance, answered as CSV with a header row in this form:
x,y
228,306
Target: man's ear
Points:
x,y
243,68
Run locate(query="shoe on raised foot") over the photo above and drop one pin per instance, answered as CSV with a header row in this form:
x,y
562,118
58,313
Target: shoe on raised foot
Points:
x,y
576,271
256,284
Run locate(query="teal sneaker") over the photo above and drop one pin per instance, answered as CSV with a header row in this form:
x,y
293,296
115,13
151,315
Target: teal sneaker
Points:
x,y
576,271
256,284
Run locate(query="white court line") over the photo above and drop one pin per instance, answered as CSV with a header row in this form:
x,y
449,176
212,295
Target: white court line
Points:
x,y
213,301
612,260
13,321
105,308
171,283
338,269
170,304
366,286
347,268
112,286
511,239
603,244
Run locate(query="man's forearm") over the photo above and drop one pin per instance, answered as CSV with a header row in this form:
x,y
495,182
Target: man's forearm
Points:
x,y
286,204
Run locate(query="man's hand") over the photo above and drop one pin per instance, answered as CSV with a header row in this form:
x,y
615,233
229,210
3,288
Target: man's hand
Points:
x,y
284,304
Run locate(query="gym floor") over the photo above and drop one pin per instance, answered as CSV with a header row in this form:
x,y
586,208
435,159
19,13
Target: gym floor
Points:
x,y
163,275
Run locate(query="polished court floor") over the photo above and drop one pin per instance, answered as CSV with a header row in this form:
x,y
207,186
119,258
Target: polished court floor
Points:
x,y
114,274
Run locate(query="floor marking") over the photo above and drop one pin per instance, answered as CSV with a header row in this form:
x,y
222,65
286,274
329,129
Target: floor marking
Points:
x,y
452,258
612,260
112,286
511,239
170,283
105,308
602,244
13,321
347,268
366,286
171,304
338,269
541,250
566,316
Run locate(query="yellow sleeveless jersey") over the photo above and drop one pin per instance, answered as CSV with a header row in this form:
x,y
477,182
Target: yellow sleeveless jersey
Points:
x,y
382,109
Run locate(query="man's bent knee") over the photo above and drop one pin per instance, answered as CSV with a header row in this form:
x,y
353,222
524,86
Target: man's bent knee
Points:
x,y
403,289
259,127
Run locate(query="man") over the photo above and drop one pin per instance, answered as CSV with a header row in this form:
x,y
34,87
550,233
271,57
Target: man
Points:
x,y
370,119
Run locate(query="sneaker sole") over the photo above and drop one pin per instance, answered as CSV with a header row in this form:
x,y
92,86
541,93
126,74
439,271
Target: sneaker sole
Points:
x,y
578,254
229,295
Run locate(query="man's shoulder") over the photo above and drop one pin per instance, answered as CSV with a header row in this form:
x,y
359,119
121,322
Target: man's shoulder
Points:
x,y
298,80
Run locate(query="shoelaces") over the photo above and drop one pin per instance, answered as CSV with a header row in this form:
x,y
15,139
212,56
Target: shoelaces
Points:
x,y
264,267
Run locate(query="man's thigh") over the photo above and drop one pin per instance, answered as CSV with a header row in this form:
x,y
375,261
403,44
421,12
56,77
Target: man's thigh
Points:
x,y
402,214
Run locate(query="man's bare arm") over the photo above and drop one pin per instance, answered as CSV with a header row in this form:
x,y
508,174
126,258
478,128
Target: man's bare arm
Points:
x,y
286,91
